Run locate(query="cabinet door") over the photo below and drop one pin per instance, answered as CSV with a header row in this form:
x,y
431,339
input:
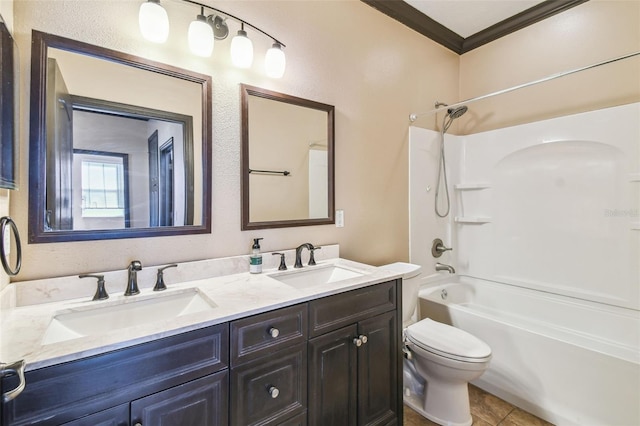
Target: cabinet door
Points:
x,y
378,371
201,402
333,378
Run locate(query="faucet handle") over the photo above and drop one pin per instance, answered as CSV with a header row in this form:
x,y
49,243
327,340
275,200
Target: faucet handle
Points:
x,y
160,285
283,264
438,248
101,292
312,260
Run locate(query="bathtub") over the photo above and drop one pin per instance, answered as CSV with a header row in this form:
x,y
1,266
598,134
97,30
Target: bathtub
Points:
x,y
565,360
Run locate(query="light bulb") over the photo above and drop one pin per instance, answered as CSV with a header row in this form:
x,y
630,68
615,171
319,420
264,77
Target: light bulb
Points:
x,y
241,50
153,21
275,61
201,36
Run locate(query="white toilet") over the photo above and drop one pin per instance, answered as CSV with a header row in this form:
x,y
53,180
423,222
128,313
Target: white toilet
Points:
x,y
443,359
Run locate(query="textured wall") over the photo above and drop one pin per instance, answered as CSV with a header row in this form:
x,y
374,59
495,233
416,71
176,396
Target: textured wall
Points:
x,y
374,70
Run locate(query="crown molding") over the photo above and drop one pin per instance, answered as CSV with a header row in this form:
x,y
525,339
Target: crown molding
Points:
x,y
416,20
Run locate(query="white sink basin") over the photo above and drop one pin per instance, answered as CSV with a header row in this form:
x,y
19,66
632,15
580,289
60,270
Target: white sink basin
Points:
x,y
315,276
108,316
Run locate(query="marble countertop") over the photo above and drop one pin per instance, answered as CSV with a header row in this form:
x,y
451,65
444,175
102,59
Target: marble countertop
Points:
x,y
237,295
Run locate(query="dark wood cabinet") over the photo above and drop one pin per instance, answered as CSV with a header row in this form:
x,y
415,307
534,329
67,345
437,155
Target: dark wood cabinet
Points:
x,y
270,390
377,371
355,385
333,378
115,416
262,334
354,371
201,402
70,391
330,361
269,367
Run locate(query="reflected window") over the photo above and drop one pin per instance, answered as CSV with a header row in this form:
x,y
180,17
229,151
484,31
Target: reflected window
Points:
x,y
102,189
101,195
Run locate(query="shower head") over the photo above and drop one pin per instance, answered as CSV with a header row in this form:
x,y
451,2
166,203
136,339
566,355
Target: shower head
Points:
x,y
458,112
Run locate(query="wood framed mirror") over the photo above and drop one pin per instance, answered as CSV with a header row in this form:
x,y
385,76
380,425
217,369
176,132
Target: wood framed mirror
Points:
x,y
9,96
288,159
120,146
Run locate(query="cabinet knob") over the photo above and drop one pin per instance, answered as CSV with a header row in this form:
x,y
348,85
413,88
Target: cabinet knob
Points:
x,y
357,341
274,392
274,332
138,424
363,338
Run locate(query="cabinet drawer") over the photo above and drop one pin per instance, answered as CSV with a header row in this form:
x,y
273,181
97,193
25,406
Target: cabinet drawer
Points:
x,y
69,391
254,386
265,333
116,416
333,312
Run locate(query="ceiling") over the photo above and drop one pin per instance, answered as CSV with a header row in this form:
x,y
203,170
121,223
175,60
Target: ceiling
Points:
x,y
463,25
468,17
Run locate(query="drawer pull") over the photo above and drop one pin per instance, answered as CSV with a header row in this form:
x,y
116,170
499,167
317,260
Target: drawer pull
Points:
x,y
363,338
274,332
274,392
357,341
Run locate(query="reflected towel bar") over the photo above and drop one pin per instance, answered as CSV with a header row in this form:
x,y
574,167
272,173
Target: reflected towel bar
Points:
x,y
284,173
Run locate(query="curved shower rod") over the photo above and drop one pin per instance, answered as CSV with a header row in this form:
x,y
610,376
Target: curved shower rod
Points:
x,y
413,117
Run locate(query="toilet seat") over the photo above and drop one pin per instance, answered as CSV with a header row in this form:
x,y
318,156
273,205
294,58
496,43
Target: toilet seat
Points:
x,y
447,341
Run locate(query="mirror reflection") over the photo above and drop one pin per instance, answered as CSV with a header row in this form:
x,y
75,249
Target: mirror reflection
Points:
x,y
287,160
8,109
123,142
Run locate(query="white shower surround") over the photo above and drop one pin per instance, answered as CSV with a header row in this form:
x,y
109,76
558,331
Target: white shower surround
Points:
x,y
552,206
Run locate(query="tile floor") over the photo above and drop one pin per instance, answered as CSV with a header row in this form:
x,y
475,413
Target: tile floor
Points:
x,y
486,410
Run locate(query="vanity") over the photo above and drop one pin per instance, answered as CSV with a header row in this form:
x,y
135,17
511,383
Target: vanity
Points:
x,y
317,346
313,346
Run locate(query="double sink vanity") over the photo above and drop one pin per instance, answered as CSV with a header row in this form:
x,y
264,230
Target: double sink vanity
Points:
x,y
317,345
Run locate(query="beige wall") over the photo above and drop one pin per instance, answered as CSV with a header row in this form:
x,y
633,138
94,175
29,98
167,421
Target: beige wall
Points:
x,y
592,32
374,70
6,10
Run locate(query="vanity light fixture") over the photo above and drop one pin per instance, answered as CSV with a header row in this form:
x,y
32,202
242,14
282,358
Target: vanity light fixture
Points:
x,y
201,36
275,61
153,21
241,49
154,26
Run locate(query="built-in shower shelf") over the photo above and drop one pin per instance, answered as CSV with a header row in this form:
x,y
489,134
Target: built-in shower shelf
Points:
x,y
634,177
635,226
473,219
471,186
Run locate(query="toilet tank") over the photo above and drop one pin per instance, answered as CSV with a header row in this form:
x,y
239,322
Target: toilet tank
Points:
x,y
410,288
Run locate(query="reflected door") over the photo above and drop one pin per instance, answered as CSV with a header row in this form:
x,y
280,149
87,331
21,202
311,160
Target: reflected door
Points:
x,y
166,184
59,150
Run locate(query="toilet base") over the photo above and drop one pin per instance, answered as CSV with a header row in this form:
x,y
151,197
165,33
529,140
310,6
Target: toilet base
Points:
x,y
448,406
416,402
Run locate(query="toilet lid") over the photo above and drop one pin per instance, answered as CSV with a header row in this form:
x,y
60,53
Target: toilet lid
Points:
x,y
448,341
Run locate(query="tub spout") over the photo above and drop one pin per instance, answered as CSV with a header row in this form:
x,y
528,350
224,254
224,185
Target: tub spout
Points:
x,y
443,267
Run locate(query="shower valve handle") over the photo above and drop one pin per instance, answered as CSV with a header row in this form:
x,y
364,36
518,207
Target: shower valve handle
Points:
x,y
438,248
